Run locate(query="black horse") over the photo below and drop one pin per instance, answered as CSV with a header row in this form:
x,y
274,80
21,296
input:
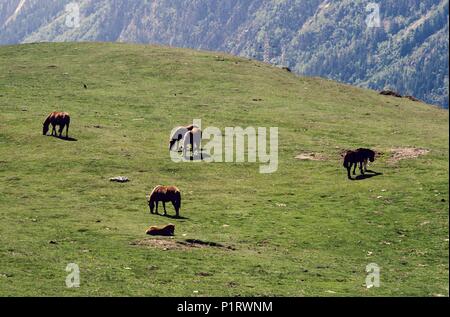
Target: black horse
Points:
x,y
361,156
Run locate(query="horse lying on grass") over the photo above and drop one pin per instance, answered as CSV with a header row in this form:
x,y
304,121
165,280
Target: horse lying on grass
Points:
x,y
161,231
61,119
165,194
361,156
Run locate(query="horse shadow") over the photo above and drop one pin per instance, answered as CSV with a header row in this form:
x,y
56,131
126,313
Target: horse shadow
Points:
x,y
63,138
172,216
199,156
367,176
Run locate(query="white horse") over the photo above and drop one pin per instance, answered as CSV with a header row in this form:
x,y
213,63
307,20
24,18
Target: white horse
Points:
x,y
177,135
192,138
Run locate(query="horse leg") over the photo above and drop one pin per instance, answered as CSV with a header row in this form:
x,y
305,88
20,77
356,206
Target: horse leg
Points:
x,y
192,148
151,205
197,148
157,203
180,143
361,168
164,205
354,168
61,127
349,168
197,145
53,129
176,206
67,131
185,147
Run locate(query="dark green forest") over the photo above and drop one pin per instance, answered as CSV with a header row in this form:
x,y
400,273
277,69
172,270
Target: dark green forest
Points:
x,y
407,51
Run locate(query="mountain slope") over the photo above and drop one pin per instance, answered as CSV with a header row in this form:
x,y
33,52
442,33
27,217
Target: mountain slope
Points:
x,y
408,52
304,230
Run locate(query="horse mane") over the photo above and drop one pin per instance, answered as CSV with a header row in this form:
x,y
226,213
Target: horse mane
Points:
x,y
181,130
177,131
48,119
191,126
153,192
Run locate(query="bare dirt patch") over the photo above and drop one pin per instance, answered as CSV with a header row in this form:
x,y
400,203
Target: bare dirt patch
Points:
x,y
310,156
398,154
164,244
172,244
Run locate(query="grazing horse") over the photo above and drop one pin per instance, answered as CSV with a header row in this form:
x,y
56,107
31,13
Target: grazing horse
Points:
x,y
361,156
165,194
178,134
192,138
61,119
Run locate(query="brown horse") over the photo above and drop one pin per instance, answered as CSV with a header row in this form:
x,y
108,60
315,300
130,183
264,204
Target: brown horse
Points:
x,y
165,194
161,231
61,119
361,156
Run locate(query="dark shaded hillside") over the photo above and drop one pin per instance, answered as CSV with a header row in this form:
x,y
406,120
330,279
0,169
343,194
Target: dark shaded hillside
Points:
x,y
408,52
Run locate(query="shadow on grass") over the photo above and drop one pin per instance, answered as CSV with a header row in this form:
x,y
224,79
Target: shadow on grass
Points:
x,y
171,216
198,156
175,217
366,176
69,139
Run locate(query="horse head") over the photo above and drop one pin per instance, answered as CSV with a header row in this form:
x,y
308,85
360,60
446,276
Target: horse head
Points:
x,y
151,205
176,135
371,156
171,144
44,129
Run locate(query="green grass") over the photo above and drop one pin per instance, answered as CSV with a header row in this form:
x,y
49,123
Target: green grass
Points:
x,y
317,245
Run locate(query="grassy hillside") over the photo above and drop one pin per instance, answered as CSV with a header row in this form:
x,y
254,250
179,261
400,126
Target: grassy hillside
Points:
x,y
302,231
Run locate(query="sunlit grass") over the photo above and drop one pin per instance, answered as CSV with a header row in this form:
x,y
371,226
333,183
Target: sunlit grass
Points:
x,y
302,231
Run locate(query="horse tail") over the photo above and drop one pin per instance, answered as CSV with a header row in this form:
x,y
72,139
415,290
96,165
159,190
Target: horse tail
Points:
x,y
345,163
176,134
349,157
177,200
186,142
196,135
178,195
346,160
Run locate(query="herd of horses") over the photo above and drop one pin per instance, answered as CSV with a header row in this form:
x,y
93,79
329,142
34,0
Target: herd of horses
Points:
x,y
188,138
